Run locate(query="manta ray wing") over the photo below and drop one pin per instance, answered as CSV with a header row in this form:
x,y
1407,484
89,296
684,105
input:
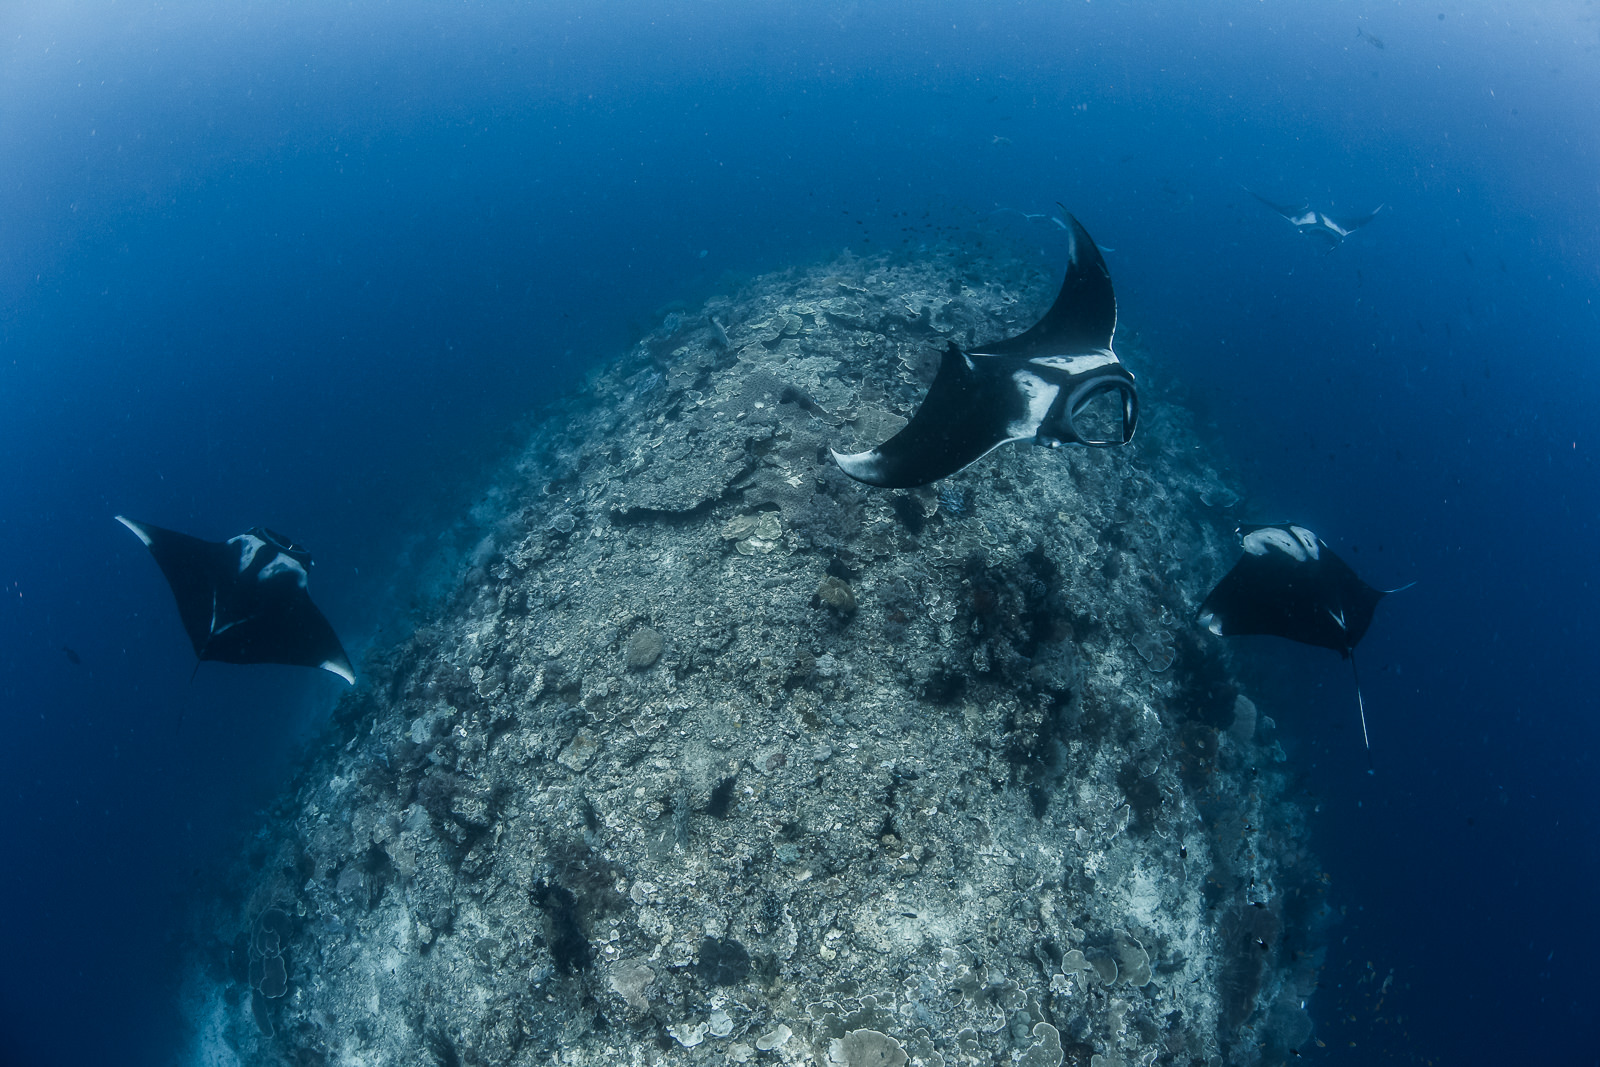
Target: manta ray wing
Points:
x,y
1345,225
1299,214
195,571
287,629
974,406
1084,315
1356,600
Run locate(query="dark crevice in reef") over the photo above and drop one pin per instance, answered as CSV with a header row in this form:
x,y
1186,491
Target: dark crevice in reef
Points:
x,y
636,516
567,942
712,754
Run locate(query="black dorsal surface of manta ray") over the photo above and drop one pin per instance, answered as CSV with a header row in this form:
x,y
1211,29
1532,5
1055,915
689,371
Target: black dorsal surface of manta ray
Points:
x,y
1034,386
1330,230
1290,584
244,600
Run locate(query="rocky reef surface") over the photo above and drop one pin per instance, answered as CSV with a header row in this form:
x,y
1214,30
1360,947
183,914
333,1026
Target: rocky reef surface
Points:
x,y
716,756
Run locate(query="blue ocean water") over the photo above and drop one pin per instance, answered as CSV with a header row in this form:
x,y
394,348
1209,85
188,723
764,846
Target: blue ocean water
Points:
x,y
308,267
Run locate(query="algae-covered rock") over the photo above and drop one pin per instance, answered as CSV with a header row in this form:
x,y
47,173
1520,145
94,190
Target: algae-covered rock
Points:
x,y
837,596
930,776
1243,728
776,1039
1156,648
580,751
1133,962
1046,1050
644,648
866,1048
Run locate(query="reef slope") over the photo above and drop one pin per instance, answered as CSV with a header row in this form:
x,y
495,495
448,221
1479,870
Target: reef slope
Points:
x,y
716,756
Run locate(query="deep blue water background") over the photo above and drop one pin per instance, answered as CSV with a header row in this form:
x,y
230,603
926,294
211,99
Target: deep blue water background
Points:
x,y
307,267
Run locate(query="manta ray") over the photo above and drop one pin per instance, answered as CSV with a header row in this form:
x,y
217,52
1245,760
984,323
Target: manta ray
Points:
x,y
1034,386
1328,229
1289,584
244,600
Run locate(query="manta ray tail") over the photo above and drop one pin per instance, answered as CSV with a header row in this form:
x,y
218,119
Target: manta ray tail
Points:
x,y
189,695
1361,705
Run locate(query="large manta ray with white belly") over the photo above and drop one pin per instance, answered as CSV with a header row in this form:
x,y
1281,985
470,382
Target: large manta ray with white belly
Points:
x,y
1034,386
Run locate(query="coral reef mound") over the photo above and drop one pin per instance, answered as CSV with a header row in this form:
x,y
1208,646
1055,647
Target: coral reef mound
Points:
x,y
716,756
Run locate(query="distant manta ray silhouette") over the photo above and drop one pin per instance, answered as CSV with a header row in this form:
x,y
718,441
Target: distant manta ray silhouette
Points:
x,y
1329,229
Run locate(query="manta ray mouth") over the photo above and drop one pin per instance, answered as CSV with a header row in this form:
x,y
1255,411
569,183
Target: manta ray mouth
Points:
x,y
1077,407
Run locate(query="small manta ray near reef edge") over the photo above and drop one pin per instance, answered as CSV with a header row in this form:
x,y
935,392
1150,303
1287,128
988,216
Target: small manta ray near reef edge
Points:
x,y
1033,386
244,600
1328,229
1290,584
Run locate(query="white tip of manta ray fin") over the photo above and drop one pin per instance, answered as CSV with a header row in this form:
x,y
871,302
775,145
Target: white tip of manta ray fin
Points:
x,y
341,669
862,466
138,531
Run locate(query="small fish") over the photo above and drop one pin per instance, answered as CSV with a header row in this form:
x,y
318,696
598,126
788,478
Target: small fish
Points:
x,y
1000,140
1376,42
72,656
